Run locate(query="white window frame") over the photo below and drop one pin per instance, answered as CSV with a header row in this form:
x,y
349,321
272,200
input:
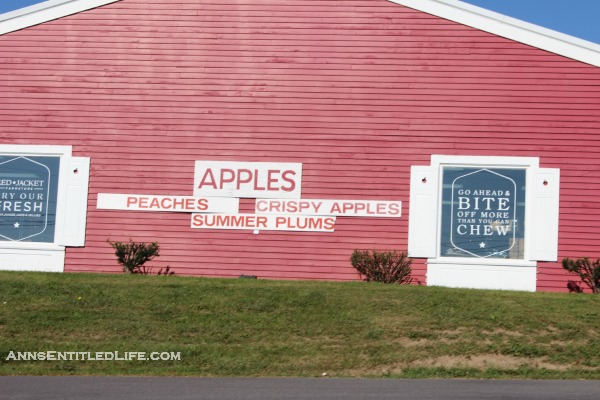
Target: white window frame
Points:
x,y
526,163
49,257
425,215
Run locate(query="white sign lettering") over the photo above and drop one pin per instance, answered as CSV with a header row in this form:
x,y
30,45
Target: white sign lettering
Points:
x,y
483,213
218,185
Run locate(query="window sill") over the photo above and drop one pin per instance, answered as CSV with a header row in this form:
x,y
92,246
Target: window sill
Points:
x,y
31,246
481,262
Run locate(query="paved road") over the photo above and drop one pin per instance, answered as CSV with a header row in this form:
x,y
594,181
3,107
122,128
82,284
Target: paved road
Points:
x,y
140,388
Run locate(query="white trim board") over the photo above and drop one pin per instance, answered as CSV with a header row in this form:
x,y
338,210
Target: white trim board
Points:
x,y
494,277
41,259
44,12
36,150
510,28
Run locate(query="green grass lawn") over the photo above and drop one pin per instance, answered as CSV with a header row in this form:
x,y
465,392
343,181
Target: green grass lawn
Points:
x,y
244,327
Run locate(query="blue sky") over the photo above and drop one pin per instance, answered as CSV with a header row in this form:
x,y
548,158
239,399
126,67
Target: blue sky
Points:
x,y
578,18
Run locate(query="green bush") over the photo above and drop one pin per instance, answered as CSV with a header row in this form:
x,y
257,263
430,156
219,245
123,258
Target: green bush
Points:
x,y
588,271
132,256
383,266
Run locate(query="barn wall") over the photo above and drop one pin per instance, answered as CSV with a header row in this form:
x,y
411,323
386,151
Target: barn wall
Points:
x,y
355,90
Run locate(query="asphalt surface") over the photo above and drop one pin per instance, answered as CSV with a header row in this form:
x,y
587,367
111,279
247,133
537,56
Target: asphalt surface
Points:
x,y
149,388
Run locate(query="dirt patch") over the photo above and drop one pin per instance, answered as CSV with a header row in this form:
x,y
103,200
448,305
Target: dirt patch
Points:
x,y
480,362
504,332
487,361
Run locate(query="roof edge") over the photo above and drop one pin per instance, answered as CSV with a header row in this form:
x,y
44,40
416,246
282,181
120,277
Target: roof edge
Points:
x,y
510,28
44,12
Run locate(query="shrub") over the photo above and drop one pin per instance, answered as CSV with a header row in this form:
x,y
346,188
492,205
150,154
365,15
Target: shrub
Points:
x,y
574,287
589,273
166,271
383,266
132,256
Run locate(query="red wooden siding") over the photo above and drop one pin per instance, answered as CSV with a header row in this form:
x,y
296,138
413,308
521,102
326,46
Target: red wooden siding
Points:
x,y
355,90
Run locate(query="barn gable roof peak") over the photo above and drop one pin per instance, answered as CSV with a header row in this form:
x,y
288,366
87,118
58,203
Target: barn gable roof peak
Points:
x,y
453,10
508,27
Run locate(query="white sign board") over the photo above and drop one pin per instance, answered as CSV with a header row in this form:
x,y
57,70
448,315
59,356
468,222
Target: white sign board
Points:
x,y
345,208
248,179
264,222
147,202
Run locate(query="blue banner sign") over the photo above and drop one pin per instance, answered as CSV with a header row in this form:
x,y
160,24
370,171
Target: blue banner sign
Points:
x,y
483,212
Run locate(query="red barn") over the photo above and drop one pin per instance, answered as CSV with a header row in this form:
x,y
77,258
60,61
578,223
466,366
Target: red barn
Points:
x,y
272,138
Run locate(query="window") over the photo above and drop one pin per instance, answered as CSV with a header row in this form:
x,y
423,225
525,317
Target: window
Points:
x,y
483,222
43,205
483,213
